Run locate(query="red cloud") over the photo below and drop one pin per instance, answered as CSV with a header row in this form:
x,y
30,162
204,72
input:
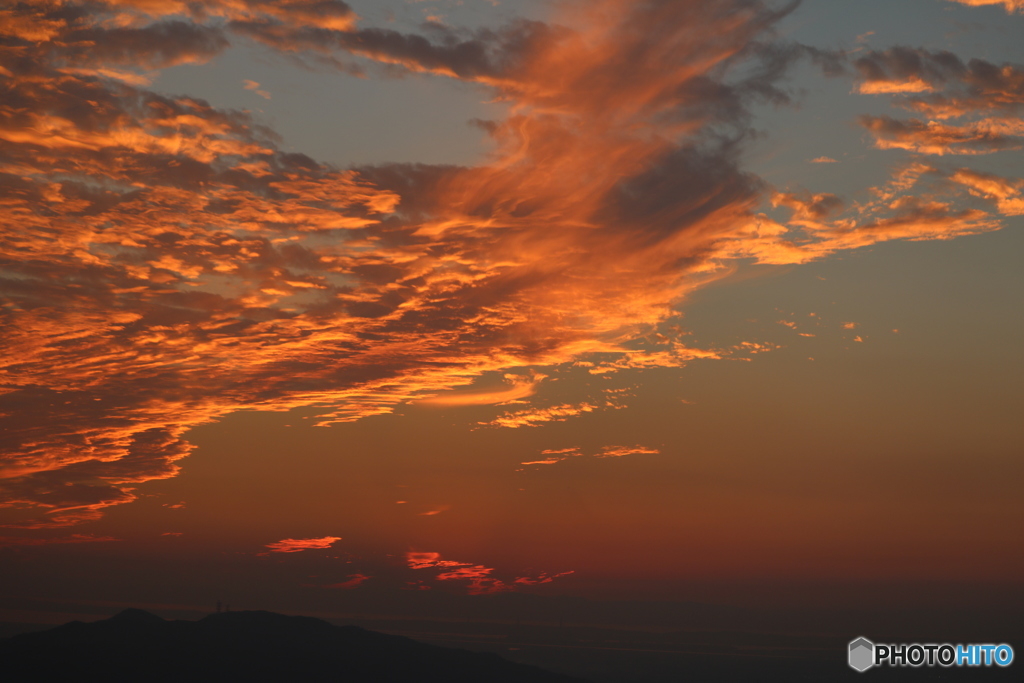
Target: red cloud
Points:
x,y
478,578
353,581
295,545
469,572
422,560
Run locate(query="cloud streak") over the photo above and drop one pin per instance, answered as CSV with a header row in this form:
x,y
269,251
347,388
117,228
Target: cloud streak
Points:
x,y
519,387
479,579
297,545
559,455
352,581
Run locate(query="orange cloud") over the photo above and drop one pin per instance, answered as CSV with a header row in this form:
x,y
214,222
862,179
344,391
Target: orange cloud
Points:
x,y
521,387
886,87
942,86
807,207
562,451
557,456
164,263
916,204
1010,5
979,137
296,545
620,451
1008,194
753,348
537,416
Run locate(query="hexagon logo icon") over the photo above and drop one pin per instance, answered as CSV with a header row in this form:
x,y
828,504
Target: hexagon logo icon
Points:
x,y
862,654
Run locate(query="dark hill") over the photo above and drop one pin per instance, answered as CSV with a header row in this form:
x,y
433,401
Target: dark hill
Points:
x,y
141,647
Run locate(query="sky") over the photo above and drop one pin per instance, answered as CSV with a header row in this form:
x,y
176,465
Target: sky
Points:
x,y
325,306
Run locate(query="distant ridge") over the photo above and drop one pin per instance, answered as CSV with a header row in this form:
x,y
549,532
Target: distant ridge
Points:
x,y
140,647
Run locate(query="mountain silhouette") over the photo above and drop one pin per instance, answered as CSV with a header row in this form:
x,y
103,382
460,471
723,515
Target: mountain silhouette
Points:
x,y
140,647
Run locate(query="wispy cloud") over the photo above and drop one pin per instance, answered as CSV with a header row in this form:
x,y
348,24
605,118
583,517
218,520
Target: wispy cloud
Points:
x,y
352,581
297,545
559,455
479,578
520,386
620,451
533,417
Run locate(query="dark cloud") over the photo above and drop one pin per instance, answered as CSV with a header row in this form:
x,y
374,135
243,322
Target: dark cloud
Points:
x,y
901,64
940,84
481,56
155,46
985,97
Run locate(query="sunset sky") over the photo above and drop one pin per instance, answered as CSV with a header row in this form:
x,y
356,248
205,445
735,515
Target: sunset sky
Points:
x,y
311,304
